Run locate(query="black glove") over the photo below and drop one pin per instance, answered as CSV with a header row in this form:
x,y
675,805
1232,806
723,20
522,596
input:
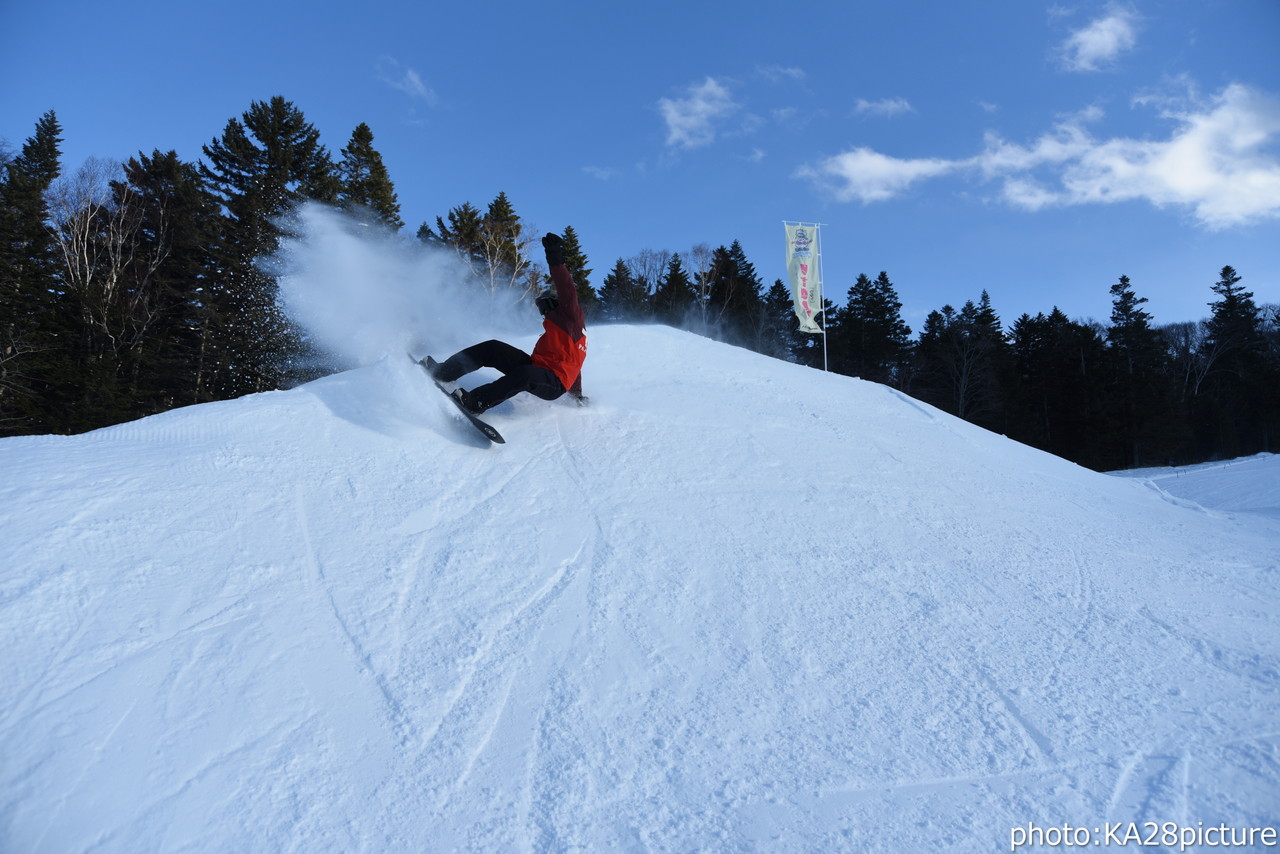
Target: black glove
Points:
x,y
554,247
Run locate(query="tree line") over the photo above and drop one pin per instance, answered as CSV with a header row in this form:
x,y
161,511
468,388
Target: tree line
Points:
x,y
129,289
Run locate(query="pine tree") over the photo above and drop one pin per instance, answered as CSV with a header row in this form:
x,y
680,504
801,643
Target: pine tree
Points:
x,y
961,360
621,296
492,246
365,182
1140,393
1235,324
1232,414
501,231
747,308
463,233
673,299
782,336
264,164
174,263
869,337
576,260
1057,398
734,306
35,330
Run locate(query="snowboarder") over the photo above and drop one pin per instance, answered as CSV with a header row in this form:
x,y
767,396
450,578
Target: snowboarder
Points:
x,y
556,363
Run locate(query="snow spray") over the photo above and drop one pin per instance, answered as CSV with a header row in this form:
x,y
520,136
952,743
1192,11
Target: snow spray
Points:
x,y
361,292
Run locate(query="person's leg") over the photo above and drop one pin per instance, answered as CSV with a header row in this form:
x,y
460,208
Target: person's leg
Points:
x,y
539,382
487,354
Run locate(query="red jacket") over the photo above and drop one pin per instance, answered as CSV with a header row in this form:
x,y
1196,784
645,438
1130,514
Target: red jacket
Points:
x,y
562,348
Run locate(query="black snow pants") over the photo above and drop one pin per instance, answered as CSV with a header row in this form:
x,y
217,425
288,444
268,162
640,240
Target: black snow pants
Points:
x,y
517,369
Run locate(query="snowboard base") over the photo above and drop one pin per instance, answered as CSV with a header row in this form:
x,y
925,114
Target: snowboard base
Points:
x,y
485,428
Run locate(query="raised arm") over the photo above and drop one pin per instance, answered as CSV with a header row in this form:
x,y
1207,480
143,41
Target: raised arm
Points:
x,y
568,315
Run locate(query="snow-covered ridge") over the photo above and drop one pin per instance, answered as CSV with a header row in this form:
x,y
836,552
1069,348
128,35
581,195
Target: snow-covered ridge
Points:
x,y
734,604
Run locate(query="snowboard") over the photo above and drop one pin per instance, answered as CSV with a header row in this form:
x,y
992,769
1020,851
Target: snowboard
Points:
x,y
486,429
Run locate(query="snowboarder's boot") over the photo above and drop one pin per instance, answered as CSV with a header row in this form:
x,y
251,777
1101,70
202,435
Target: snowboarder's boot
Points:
x,y
432,366
464,398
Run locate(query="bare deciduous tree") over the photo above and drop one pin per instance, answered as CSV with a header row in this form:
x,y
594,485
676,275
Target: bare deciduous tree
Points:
x,y
103,264
648,267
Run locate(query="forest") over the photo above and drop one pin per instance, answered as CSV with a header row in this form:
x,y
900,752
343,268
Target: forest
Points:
x,y
128,289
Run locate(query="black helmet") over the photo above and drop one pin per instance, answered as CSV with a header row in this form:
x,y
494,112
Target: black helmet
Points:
x,y
547,301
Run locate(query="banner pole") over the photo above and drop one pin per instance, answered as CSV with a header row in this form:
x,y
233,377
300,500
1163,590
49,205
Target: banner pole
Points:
x,y
822,299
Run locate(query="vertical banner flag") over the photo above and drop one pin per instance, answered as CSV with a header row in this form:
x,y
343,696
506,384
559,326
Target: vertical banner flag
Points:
x,y
802,268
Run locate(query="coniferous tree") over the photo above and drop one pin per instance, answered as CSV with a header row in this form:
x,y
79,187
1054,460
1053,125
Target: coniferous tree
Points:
x,y
35,329
263,165
1230,413
1057,395
1269,380
961,362
748,308
783,338
576,261
734,308
812,350
1140,417
173,265
621,297
492,246
364,180
463,233
501,231
869,337
673,300
720,284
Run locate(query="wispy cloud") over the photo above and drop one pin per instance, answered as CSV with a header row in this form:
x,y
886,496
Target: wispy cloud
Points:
x,y
778,73
692,120
884,107
1101,41
601,173
868,176
1219,163
405,79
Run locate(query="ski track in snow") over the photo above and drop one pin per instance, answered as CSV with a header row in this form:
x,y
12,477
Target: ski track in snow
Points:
x,y
731,605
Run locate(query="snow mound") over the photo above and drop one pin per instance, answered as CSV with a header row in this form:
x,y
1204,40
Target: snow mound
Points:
x,y
733,604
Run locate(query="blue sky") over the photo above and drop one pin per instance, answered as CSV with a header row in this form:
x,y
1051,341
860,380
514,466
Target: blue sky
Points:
x,y
1038,150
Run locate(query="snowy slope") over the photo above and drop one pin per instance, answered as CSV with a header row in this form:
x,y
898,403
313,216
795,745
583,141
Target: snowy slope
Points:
x,y
735,604
1247,485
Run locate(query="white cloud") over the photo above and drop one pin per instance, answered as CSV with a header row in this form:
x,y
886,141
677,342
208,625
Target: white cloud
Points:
x,y
404,79
601,173
778,73
868,176
1093,46
1219,162
691,121
884,107
1068,140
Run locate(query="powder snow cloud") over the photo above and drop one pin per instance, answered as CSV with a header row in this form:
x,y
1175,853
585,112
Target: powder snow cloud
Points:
x,y
1219,162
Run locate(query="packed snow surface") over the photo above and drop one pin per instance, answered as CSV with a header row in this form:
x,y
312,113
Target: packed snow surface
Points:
x,y
731,605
